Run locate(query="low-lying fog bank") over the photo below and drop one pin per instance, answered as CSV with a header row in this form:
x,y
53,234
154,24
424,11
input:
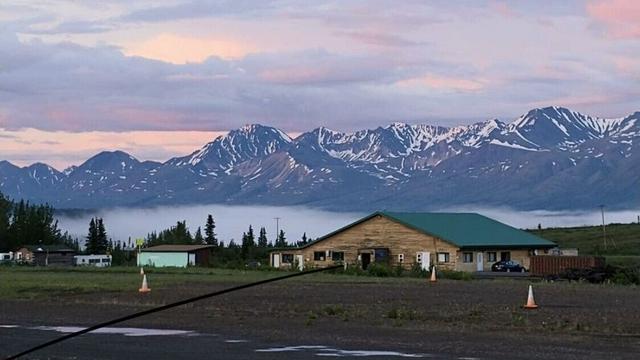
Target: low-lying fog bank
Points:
x,y
232,221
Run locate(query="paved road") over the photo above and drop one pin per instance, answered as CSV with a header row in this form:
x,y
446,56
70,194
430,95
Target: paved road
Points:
x,y
127,343
150,344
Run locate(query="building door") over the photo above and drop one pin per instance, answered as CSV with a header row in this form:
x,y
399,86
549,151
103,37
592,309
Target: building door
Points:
x,y
366,260
300,262
480,261
424,259
275,260
192,259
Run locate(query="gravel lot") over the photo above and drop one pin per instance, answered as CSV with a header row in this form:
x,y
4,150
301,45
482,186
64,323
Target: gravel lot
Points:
x,y
481,319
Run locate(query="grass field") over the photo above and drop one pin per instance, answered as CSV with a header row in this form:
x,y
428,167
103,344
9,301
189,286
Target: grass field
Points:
x,y
622,239
41,283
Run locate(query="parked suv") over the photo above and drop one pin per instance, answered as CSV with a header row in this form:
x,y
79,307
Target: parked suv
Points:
x,y
508,266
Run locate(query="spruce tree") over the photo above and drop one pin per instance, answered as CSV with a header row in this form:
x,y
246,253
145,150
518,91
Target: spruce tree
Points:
x,y
262,238
282,240
209,231
103,242
91,244
197,238
303,241
251,238
5,216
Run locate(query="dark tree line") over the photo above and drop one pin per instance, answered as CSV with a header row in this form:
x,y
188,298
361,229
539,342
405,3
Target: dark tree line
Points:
x,y
22,223
251,249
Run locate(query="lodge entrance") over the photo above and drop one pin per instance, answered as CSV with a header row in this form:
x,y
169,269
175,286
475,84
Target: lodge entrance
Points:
x,y
379,255
365,258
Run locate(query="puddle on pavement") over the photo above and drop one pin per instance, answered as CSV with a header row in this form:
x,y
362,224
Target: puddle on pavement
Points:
x,y
235,341
119,331
320,350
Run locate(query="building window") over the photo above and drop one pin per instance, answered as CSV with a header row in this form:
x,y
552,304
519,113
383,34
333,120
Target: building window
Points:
x,y
505,256
467,257
318,256
443,257
337,256
381,255
287,258
491,256
400,258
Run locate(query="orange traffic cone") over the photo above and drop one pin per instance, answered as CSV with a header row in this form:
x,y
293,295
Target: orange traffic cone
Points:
x,y
145,286
433,275
141,271
531,304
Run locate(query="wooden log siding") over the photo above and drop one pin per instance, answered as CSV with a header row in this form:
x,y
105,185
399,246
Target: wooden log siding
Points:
x,y
380,232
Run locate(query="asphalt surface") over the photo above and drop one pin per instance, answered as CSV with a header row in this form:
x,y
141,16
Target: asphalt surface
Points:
x,y
141,343
189,345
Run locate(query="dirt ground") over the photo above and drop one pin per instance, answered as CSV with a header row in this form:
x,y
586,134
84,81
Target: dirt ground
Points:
x,y
483,317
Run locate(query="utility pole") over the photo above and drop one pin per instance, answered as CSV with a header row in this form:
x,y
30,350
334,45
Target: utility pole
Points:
x,y
604,232
277,228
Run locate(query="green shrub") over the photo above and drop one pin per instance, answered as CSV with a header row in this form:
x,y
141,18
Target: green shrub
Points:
x,y
333,310
355,269
418,271
379,270
454,275
625,275
398,271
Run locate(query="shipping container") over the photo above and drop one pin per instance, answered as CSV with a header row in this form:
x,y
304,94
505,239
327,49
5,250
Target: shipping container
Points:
x,y
555,265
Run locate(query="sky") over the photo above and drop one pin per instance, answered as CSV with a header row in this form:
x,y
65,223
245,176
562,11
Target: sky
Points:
x,y
160,78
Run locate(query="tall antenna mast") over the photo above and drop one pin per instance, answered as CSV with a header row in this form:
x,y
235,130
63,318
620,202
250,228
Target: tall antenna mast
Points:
x,y
604,231
277,228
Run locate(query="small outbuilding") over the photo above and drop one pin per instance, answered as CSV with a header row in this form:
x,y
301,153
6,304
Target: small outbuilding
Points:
x,y
175,255
45,255
453,241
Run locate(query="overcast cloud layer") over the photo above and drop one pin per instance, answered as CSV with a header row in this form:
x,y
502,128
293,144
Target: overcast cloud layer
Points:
x,y
215,65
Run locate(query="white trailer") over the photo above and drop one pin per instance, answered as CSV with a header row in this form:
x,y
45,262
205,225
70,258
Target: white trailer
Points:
x,y
92,260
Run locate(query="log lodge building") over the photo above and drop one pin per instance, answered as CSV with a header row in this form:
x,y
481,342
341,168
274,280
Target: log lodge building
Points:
x,y
453,241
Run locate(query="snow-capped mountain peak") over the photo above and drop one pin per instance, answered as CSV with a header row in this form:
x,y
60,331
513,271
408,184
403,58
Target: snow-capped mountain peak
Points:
x,y
408,164
245,143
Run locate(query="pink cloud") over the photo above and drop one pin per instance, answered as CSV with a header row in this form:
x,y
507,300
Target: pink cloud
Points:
x,y
444,83
178,49
627,66
577,100
502,9
61,148
620,17
298,75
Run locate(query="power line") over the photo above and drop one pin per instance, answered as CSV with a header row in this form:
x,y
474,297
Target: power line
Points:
x,y
165,307
604,232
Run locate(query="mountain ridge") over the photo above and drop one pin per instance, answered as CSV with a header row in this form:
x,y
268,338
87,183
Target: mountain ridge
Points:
x,y
548,158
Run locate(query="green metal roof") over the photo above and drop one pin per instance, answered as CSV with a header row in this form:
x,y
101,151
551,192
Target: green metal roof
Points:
x,y
468,230
465,230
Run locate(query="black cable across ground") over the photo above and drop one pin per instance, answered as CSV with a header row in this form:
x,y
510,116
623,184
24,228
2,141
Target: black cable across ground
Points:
x,y
166,307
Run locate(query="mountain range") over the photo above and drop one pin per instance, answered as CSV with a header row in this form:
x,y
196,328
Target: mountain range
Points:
x,y
549,158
